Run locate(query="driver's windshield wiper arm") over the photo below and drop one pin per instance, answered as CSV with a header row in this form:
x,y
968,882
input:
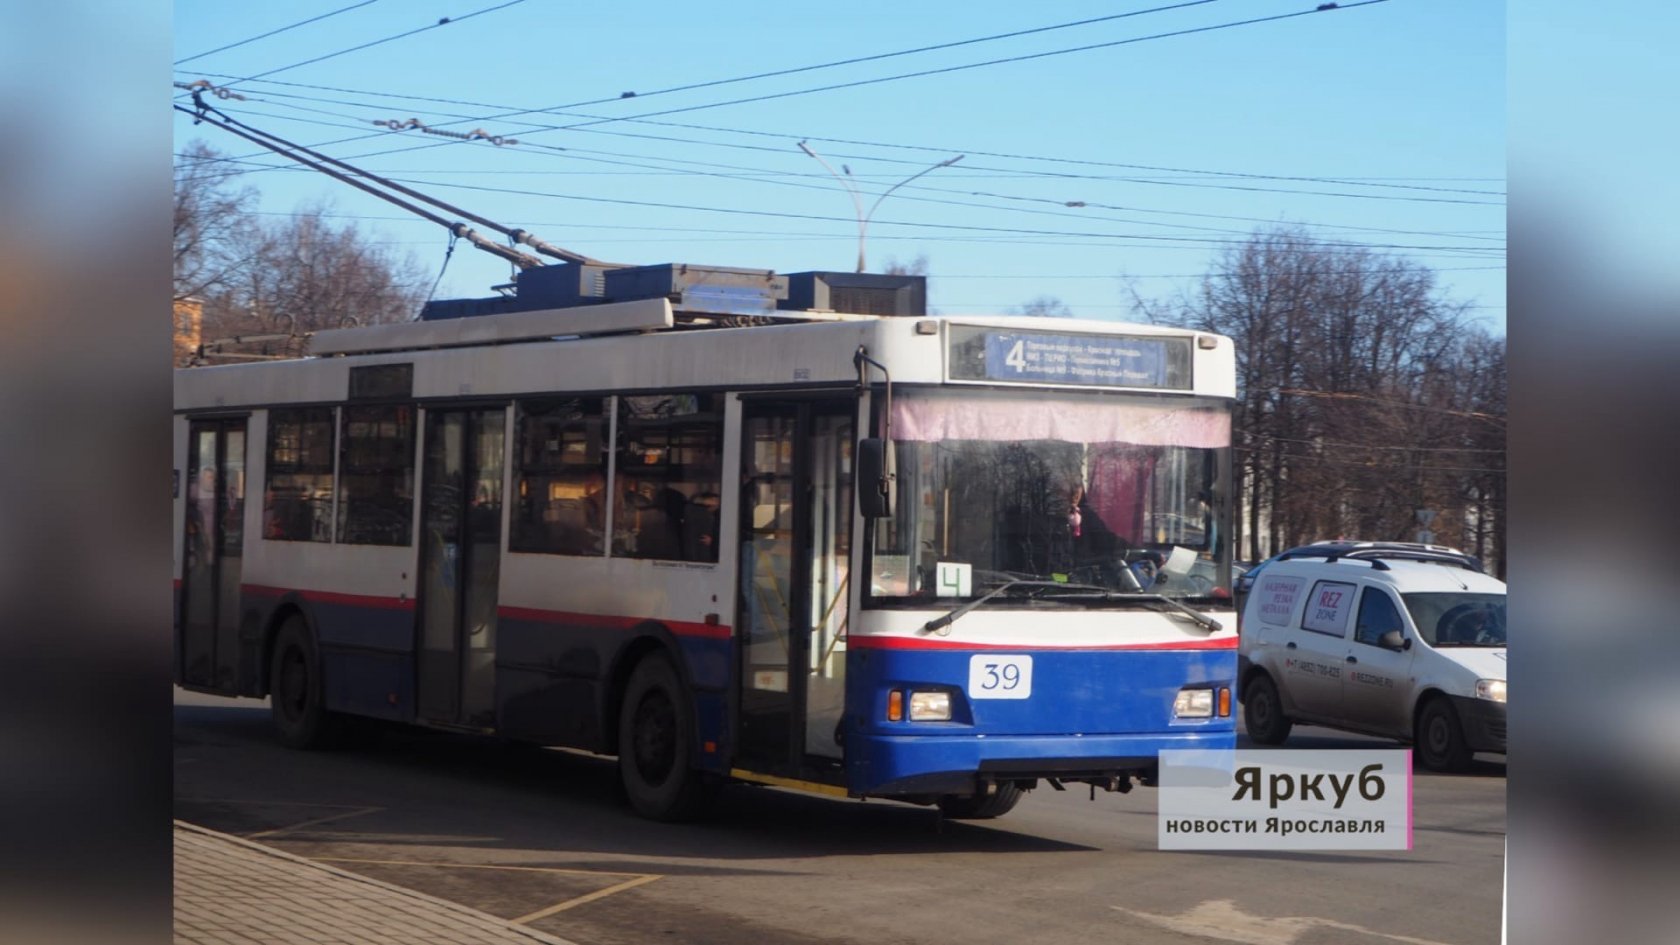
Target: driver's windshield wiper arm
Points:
x,y
939,623
1211,624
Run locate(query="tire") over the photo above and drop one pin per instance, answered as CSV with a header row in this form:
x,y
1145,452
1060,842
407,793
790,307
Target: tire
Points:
x,y
982,806
655,738
1263,712
1439,739
301,719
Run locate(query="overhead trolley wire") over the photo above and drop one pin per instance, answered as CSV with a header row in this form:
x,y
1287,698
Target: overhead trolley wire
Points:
x,y
976,65
791,136
444,21
860,59
243,42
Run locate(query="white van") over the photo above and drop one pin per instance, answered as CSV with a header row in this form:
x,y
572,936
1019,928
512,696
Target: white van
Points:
x,y
1385,639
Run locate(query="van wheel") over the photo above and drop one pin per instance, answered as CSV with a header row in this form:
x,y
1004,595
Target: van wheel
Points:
x,y
1440,739
1263,712
301,719
982,806
655,732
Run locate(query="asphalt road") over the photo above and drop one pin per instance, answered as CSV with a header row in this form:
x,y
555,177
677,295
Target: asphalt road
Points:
x,y
541,837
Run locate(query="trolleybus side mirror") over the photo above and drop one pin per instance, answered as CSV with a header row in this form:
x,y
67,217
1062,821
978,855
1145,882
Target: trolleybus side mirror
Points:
x,y
877,478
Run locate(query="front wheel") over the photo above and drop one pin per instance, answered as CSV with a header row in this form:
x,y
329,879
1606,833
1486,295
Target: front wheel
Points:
x,y
982,806
655,733
301,719
1440,739
1263,712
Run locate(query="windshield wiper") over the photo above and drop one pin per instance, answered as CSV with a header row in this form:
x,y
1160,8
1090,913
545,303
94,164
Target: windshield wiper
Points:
x,y
1212,625
939,623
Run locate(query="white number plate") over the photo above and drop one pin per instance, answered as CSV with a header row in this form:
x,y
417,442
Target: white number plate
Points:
x,y
999,677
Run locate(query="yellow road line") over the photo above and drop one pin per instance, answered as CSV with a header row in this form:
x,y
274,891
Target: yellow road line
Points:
x,y
830,790
310,823
570,903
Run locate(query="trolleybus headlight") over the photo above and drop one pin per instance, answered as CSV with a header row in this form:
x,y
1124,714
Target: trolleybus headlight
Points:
x,y
930,707
1193,704
1491,689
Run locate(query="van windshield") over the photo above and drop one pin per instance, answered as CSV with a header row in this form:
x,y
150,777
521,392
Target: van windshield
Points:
x,y
1458,619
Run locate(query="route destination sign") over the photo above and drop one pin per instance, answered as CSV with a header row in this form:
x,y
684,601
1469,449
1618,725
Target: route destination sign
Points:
x,y
1047,358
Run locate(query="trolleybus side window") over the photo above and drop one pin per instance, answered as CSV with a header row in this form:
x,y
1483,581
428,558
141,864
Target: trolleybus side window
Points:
x,y
298,497
670,449
376,475
562,474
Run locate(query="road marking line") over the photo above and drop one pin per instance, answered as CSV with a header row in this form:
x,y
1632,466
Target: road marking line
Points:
x,y
638,879
482,866
570,903
319,820
829,790
1221,920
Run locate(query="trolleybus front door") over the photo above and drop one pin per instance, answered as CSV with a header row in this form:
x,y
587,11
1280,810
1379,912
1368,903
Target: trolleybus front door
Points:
x,y
796,502
460,559
215,537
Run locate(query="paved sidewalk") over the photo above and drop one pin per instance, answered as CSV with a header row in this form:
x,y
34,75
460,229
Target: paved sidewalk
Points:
x,y
230,891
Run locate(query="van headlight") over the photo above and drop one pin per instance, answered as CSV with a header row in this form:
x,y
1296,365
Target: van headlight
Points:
x,y
1492,690
930,707
1193,704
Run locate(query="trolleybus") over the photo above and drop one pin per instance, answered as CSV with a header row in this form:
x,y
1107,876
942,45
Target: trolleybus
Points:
x,y
724,530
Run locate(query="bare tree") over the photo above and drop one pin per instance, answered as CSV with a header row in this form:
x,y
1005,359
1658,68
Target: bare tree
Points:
x,y
915,267
1044,306
1361,398
284,277
211,212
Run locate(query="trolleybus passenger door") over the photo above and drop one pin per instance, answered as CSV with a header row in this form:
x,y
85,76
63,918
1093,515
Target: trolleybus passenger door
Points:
x,y
214,545
460,560
796,500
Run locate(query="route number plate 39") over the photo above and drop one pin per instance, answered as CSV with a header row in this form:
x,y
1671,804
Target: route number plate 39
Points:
x,y
999,677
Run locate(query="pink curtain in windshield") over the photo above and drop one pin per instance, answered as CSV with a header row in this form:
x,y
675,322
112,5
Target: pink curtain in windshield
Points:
x,y
930,418
1119,490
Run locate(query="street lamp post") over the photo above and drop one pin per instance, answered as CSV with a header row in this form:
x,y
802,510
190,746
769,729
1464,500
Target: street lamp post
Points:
x,y
857,198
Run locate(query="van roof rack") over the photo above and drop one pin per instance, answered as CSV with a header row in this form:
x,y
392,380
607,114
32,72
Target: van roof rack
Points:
x,y
1376,552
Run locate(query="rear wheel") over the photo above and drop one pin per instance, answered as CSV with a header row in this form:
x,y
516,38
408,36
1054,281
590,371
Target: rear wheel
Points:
x,y
655,732
1440,739
301,719
1001,801
1263,712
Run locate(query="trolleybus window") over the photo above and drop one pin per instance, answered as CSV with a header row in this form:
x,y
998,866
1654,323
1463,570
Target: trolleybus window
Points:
x,y
376,475
670,449
297,500
562,475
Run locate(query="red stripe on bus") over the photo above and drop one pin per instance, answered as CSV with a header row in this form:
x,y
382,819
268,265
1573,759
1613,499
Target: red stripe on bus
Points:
x,y
919,643
331,597
679,627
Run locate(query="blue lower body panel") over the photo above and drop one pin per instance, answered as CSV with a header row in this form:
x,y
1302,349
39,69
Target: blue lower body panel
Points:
x,y
935,764
1080,714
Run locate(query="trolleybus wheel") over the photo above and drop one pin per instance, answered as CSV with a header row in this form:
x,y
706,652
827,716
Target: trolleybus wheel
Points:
x,y
655,731
1263,712
982,806
1439,739
301,719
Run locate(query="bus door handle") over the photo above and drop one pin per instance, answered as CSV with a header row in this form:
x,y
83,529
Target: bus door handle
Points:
x,y
1290,645
1353,659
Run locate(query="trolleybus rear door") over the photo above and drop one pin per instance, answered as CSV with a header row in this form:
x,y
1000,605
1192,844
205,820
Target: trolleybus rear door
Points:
x,y
215,535
796,503
460,559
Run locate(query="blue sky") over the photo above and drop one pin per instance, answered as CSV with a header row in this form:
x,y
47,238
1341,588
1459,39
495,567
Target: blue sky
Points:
x,y
1176,146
